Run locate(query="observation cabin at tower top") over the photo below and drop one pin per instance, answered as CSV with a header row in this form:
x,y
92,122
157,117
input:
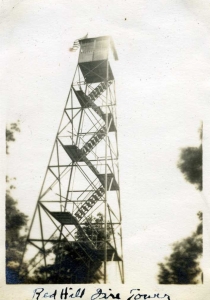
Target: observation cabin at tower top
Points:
x,y
93,58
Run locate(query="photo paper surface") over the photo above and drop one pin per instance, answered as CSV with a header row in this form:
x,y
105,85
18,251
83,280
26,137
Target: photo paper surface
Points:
x,y
108,140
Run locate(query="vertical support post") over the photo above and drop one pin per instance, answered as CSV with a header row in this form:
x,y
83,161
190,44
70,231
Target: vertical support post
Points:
x,y
106,185
42,236
119,203
59,175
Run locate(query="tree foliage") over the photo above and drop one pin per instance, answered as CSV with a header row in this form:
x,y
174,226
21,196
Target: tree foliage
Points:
x,y
182,266
190,164
16,223
76,261
10,134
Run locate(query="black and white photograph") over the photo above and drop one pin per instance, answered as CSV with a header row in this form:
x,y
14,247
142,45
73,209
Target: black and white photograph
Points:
x,y
106,110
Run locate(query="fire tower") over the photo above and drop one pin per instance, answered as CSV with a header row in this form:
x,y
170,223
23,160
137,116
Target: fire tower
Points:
x,y
78,208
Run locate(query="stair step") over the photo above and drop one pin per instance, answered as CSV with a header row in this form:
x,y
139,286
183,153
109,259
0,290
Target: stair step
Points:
x,y
95,197
93,141
98,90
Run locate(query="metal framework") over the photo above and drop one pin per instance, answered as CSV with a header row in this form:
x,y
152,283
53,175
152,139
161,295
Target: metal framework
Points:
x,y
81,184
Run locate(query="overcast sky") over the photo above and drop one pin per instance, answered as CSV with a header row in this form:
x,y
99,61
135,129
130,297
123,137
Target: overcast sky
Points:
x,y
163,88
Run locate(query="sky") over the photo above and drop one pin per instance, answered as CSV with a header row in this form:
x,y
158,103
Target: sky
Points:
x,y
162,86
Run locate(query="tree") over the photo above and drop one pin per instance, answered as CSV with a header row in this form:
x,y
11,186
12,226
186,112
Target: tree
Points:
x,y
77,261
16,222
182,266
10,134
190,164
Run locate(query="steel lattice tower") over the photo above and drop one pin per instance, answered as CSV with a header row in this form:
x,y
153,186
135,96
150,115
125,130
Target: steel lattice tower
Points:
x,y
81,184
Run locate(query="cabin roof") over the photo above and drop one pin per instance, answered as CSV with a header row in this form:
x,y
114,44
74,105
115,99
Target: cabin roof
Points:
x,y
105,37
